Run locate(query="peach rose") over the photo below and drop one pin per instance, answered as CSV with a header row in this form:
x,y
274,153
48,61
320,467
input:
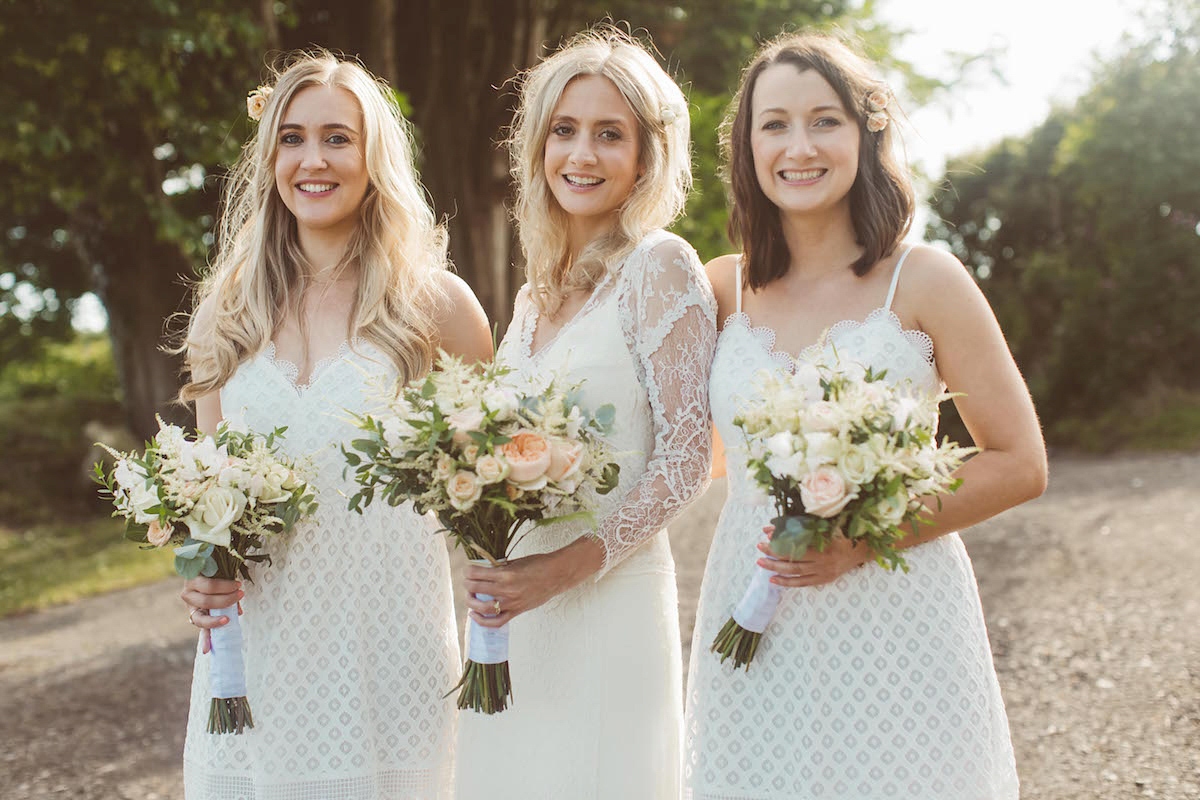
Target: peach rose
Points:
x,y
463,489
877,121
528,455
465,421
158,535
566,460
444,467
256,102
878,100
824,492
491,469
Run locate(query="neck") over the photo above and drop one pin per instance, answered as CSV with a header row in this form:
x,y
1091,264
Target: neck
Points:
x,y
820,242
582,231
324,250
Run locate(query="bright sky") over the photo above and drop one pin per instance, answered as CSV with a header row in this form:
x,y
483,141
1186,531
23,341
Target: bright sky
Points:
x,y
1047,49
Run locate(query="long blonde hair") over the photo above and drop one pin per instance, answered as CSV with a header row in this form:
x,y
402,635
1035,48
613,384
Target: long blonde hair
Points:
x,y
664,139
260,274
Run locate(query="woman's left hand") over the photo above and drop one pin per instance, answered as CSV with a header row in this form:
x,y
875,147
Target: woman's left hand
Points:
x,y
525,583
815,568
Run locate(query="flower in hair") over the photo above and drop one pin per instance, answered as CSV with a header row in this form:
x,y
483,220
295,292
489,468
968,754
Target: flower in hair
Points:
x,y
670,114
877,121
878,100
256,102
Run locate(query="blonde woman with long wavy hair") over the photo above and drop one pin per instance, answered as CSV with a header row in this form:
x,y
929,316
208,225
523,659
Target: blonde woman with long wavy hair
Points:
x,y
329,285
600,158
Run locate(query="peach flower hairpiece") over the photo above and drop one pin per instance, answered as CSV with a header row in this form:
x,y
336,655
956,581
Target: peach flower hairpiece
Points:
x,y
877,103
670,114
256,102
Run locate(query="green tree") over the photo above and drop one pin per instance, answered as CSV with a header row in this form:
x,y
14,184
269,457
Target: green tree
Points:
x,y
1083,233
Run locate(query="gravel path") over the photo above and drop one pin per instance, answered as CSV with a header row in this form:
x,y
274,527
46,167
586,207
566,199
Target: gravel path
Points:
x,y
1092,595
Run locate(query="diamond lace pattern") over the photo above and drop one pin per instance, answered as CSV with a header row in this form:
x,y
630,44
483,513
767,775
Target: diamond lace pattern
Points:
x,y
350,639
879,685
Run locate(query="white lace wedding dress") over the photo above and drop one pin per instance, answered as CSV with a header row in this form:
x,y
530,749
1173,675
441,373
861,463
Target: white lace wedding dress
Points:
x,y
596,671
878,685
350,640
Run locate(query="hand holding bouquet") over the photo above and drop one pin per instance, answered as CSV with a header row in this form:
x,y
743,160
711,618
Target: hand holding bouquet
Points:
x,y
841,452
486,455
218,500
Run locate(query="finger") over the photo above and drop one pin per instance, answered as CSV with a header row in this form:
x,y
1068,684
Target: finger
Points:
x,y
479,587
209,601
486,574
482,606
503,618
213,585
768,529
206,636
207,622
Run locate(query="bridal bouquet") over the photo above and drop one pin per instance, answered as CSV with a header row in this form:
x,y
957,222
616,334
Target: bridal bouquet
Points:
x,y
486,455
217,500
841,452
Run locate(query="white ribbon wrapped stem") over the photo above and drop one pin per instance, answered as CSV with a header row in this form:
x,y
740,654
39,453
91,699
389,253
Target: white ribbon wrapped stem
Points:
x,y
486,645
759,602
227,677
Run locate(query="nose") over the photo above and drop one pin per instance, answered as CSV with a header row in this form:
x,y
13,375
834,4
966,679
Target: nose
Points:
x,y
800,145
582,153
313,158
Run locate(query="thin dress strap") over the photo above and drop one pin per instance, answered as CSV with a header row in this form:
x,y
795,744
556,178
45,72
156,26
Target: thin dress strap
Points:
x,y
738,282
896,278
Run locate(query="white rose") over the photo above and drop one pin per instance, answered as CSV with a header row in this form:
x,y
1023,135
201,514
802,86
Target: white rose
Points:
x,y
780,444
822,416
891,510
502,400
141,499
858,464
821,448
396,432
444,467
491,469
232,475
470,453
277,485
807,379
464,422
792,466
463,489
128,475
216,510
824,492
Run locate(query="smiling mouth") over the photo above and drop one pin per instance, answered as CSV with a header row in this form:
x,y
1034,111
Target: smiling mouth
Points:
x,y
316,188
583,181
801,175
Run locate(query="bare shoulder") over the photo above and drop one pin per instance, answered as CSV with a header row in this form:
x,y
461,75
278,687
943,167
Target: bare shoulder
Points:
x,y
722,274
935,284
463,327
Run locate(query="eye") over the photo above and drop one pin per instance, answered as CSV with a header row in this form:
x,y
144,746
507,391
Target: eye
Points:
x,y
290,138
338,138
562,129
611,135
827,122
773,125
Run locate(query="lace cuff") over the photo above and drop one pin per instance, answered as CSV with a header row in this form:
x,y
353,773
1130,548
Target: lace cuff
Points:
x,y
668,315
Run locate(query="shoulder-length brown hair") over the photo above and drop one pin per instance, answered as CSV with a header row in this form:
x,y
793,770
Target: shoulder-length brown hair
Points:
x,y
881,199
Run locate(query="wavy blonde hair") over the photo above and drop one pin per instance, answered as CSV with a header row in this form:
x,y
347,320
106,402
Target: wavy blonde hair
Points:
x,y
260,273
664,140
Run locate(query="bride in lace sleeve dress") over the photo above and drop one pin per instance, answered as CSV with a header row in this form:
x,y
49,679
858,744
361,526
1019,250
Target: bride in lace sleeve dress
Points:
x,y
330,284
867,684
600,155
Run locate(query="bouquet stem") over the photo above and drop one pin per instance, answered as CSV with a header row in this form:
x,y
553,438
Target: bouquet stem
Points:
x,y
739,636
485,685
229,711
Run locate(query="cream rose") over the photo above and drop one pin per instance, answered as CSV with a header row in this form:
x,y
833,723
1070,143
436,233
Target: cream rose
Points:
x,y
821,448
877,121
396,431
501,400
566,460
463,489
824,492
216,510
277,485
822,416
256,102
858,464
141,500
470,453
528,456
158,535
891,509
444,467
878,100
491,469
464,422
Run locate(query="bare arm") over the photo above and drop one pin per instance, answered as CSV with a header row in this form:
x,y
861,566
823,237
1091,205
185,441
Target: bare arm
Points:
x,y
463,328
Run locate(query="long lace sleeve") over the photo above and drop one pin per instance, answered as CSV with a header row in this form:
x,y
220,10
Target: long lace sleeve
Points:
x,y
669,321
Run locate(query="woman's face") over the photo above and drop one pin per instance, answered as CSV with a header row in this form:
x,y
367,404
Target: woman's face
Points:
x,y
592,156
320,159
804,142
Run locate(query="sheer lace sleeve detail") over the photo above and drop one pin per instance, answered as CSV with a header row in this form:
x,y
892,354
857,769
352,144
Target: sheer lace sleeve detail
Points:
x,y
668,317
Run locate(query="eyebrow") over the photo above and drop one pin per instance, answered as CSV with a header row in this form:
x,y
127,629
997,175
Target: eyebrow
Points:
x,y
292,126
815,109
569,118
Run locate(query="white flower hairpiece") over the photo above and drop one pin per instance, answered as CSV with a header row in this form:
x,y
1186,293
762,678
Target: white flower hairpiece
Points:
x,y
670,114
877,103
256,102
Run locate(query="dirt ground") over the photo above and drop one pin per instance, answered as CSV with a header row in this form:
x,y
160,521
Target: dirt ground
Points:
x,y
1092,595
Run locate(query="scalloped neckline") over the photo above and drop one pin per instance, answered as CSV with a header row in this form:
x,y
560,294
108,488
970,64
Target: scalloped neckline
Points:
x,y
919,340
290,371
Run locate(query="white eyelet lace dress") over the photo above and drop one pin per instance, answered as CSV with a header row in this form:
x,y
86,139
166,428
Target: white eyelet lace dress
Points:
x,y
350,639
878,686
596,671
